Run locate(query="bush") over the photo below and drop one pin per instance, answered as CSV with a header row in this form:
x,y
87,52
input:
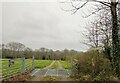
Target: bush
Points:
x,y
93,65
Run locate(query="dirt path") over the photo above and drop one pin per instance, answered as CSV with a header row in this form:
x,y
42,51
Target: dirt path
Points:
x,y
50,65
47,74
60,66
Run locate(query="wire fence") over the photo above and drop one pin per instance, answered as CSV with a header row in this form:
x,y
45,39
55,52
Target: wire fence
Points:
x,y
11,68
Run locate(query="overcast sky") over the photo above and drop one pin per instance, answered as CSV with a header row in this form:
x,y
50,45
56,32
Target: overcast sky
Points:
x,y
42,24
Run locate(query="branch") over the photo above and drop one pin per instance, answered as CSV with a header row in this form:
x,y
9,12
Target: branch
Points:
x,y
77,8
82,5
68,10
94,12
104,3
118,2
87,44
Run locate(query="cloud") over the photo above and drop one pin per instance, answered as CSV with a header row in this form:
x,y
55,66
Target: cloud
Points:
x,y
41,25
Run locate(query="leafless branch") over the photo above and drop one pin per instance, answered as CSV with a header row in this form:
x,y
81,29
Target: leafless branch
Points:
x,y
87,44
77,8
104,3
96,11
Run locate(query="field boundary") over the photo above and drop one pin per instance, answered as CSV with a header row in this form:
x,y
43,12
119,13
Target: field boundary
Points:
x,y
10,70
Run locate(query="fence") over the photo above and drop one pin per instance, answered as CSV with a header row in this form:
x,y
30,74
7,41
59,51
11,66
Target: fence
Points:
x,y
14,67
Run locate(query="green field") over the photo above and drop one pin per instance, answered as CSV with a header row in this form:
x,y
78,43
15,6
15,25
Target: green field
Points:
x,y
66,64
42,63
17,67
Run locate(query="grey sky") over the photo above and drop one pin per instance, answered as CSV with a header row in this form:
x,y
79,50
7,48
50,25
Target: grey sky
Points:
x,y
42,24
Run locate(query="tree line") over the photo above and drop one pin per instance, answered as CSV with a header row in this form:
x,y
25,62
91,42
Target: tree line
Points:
x,y
19,50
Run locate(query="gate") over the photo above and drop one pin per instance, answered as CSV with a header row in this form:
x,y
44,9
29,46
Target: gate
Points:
x,y
13,67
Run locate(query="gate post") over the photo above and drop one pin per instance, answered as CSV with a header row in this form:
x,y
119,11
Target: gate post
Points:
x,y
33,58
23,64
9,64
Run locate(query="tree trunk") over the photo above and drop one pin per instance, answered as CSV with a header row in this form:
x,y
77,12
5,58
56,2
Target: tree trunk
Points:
x,y
115,39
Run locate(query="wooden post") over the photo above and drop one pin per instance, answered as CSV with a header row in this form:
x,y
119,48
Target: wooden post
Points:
x,y
9,64
33,58
23,65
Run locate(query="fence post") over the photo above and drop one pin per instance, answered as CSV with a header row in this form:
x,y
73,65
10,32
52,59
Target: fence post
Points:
x,y
8,68
23,64
33,58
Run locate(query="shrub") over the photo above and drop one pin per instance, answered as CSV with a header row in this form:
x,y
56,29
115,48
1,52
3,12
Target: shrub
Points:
x,y
93,65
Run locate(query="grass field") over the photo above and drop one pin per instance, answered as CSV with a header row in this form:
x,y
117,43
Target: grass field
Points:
x,y
66,64
17,67
42,63
9,71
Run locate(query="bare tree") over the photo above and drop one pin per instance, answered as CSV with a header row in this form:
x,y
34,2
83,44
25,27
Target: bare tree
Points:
x,y
113,5
92,35
99,32
28,52
15,47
